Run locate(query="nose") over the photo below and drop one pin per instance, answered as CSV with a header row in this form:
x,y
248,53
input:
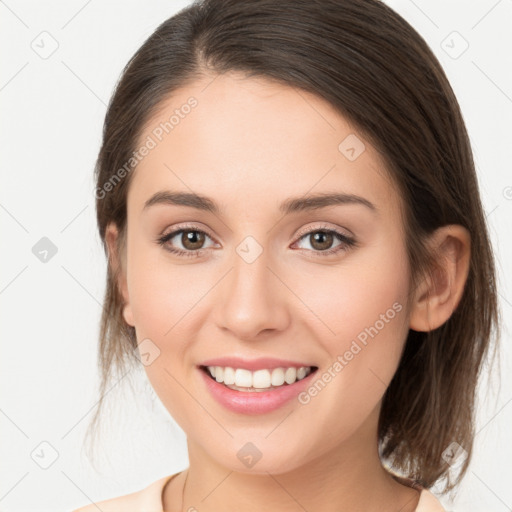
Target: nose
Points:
x,y
252,299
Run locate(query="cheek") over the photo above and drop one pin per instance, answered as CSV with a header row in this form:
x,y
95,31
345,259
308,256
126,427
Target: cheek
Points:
x,y
166,300
351,297
162,293
163,299
364,323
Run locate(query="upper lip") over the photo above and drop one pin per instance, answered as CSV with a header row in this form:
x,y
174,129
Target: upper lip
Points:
x,y
260,363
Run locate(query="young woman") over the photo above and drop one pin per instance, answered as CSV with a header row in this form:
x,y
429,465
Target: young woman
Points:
x,y
298,254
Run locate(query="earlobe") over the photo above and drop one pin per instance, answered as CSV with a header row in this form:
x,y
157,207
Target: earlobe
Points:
x,y
111,239
441,291
127,315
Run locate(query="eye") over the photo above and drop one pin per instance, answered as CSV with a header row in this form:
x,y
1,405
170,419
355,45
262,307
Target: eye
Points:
x,y
321,240
190,238
192,241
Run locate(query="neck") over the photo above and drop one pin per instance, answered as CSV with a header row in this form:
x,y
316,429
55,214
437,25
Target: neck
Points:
x,y
350,477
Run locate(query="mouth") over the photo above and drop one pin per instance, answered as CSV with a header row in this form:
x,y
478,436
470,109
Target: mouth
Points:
x,y
241,379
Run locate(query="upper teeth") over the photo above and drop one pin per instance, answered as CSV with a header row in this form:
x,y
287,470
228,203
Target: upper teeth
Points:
x,y
260,378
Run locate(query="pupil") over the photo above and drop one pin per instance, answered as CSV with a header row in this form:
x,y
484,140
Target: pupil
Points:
x,y
322,240
194,238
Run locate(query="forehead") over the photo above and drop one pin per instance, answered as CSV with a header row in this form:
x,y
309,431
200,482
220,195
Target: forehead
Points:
x,y
255,142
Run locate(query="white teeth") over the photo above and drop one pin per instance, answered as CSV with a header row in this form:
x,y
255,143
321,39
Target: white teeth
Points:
x,y
301,373
277,377
260,379
229,376
290,375
243,378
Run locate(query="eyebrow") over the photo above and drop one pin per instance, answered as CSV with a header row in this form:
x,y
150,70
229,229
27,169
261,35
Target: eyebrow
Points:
x,y
292,205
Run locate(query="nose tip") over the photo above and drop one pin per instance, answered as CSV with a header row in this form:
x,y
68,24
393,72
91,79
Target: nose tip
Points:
x,y
252,300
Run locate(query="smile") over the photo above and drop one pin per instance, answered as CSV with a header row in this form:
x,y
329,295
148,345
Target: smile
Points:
x,y
241,379
262,391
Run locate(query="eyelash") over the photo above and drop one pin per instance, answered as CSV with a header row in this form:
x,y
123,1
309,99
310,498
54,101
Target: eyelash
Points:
x,y
346,241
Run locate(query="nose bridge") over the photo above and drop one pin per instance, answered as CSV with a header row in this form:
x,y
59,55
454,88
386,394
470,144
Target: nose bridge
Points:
x,y
252,301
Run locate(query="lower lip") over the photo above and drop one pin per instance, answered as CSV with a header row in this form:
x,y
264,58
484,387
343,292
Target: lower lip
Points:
x,y
254,402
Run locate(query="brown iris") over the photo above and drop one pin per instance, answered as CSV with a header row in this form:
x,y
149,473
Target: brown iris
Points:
x,y
321,240
192,240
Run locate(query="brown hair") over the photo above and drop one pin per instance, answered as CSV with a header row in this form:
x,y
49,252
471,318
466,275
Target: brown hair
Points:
x,y
378,72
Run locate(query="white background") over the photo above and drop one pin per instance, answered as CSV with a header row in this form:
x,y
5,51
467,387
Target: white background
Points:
x,y
52,114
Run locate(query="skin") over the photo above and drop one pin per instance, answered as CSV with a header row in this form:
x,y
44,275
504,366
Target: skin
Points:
x,y
249,145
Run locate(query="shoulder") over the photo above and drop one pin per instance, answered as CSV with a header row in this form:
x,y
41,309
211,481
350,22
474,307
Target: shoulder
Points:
x,y
428,502
148,499
127,503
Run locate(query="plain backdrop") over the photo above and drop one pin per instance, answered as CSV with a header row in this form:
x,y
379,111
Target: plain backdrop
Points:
x,y
59,64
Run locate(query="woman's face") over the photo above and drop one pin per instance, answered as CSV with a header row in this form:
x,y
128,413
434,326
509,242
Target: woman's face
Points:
x,y
272,279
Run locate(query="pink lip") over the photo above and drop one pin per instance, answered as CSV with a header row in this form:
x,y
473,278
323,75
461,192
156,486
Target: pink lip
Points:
x,y
256,402
261,363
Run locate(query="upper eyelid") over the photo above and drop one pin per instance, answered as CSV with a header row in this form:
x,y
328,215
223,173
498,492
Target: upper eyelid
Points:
x,y
195,227
324,227
179,229
300,234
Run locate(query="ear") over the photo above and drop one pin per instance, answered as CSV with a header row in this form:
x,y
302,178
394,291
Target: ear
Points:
x,y
118,268
440,293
